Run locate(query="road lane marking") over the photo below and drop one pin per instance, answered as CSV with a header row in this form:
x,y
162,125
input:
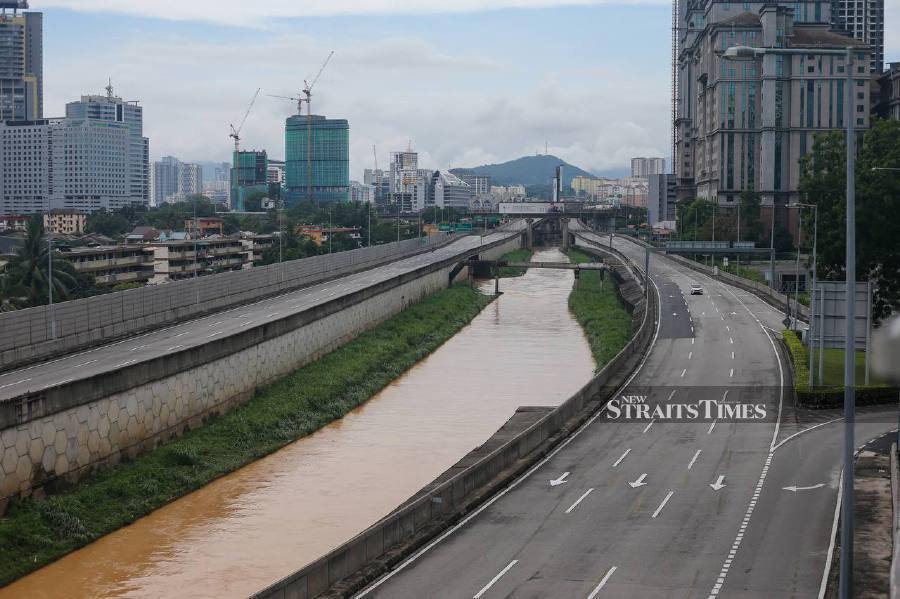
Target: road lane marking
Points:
x,y
683,372
719,484
494,580
137,348
245,324
694,459
728,328
14,384
174,347
834,530
732,355
602,583
639,482
711,427
690,355
663,504
216,334
215,324
624,455
580,499
86,363
731,340
182,334
732,373
559,481
648,426
806,430
795,488
124,364
272,314
672,394
692,341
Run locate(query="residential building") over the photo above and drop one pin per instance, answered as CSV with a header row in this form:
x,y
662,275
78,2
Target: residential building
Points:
x,y
511,193
113,264
143,235
24,166
14,222
404,171
112,109
250,174
21,62
69,222
380,182
645,167
862,20
743,126
327,152
660,199
173,180
257,245
177,259
204,226
320,235
888,106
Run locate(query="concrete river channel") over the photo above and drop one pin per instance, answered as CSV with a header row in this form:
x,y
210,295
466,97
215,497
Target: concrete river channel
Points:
x,y
246,530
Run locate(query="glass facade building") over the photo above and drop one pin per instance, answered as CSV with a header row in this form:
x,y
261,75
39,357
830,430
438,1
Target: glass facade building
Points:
x,y
330,164
249,175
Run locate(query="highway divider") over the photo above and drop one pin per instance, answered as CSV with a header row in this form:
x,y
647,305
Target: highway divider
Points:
x,y
382,546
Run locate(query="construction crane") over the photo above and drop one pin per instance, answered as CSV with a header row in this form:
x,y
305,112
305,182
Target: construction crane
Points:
x,y
236,133
305,95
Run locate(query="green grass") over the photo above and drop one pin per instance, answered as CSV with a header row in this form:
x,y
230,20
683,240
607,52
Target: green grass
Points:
x,y
600,312
522,255
36,533
834,363
747,273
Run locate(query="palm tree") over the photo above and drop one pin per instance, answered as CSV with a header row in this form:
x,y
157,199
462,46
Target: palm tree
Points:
x,y
26,275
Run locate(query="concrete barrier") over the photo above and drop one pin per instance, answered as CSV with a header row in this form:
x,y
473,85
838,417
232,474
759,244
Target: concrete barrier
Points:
x,y
449,499
73,429
25,335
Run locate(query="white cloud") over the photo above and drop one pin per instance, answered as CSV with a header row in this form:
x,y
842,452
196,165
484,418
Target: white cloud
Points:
x,y
243,13
454,107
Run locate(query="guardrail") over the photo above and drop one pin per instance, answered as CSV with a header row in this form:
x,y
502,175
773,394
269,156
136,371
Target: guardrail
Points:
x,y
453,496
26,335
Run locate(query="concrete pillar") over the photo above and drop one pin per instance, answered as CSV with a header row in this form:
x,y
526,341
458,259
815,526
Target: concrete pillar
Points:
x,y
564,227
529,236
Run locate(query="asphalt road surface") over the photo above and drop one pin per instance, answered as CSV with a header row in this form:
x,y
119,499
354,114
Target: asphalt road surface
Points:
x,y
662,508
214,328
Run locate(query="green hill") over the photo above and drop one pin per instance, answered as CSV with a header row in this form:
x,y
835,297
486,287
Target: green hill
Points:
x,y
528,170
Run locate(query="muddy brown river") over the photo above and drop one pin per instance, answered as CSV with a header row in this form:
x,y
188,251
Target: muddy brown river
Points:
x,y
257,525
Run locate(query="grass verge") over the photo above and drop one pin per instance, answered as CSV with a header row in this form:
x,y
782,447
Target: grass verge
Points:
x,y
522,255
600,312
36,533
831,394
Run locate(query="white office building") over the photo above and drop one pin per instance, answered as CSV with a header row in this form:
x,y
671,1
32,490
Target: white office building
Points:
x,y
173,180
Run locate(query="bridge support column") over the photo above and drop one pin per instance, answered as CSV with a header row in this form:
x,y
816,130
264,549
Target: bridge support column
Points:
x,y
529,236
564,226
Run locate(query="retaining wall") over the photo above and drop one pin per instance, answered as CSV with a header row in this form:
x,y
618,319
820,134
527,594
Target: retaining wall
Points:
x,y
25,335
452,497
69,431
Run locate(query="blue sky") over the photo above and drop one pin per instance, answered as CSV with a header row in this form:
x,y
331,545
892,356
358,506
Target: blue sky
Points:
x,y
469,86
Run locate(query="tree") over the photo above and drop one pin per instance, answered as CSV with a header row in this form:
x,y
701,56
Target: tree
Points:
x,y
111,224
823,183
27,273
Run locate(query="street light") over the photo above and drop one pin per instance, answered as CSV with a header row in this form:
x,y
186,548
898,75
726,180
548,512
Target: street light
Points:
x,y
749,53
812,303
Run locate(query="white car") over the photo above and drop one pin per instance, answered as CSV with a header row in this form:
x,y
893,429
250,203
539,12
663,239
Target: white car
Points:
x,y
696,289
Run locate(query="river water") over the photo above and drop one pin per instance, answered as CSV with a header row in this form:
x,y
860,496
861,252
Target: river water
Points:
x,y
257,525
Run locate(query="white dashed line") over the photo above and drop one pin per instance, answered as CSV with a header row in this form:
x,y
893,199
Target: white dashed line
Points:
x,y
86,363
174,347
602,583
663,504
494,580
683,372
124,364
649,425
14,384
580,499
711,427
694,459
624,455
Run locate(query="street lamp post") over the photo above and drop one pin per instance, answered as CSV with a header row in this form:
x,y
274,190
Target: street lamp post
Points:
x,y
812,303
847,499
50,272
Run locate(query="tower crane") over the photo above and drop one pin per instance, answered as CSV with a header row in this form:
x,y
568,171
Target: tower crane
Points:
x,y
305,95
236,133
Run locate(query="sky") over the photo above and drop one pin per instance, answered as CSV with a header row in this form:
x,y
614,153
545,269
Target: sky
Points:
x,y
465,82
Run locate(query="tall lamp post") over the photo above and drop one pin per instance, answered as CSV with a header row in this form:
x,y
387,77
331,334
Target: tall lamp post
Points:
x,y
749,53
812,303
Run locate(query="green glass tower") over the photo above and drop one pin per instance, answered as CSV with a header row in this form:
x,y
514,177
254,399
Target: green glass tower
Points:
x,y
247,176
329,148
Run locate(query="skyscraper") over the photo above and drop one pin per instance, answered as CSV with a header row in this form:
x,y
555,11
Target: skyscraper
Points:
x,y
327,152
863,20
112,108
21,62
249,175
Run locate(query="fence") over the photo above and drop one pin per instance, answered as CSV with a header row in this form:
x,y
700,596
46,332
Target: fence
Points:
x,y
442,502
26,335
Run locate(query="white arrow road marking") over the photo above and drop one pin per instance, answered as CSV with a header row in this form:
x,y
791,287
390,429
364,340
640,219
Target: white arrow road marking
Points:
x,y
663,504
648,426
603,582
795,488
624,455
494,580
694,459
580,499
560,480
639,482
711,427
719,484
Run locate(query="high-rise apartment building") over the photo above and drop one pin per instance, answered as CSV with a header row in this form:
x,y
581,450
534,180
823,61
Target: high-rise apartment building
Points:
x,y
645,167
862,20
404,171
21,62
173,180
24,166
324,146
112,109
743,126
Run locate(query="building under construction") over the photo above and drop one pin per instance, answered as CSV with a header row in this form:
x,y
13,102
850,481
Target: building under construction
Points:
x,y
317,159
